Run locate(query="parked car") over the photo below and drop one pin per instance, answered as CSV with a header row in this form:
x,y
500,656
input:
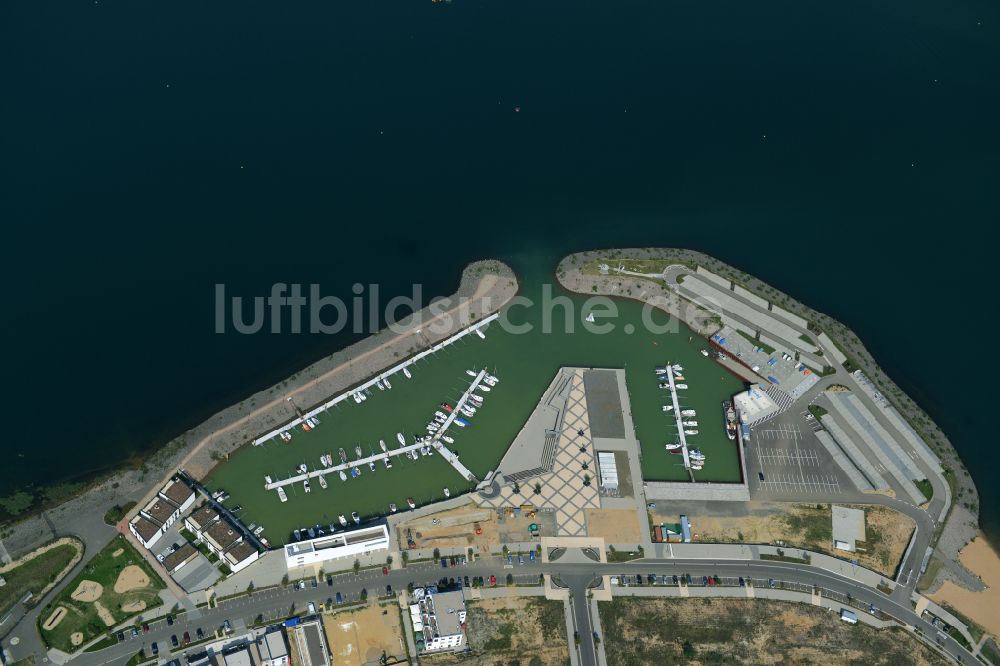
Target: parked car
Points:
x,y
704,580
760,475
531,555
388,590
520,560
173,641
452,560
187,638
711,581
385,571
170,620
200,633
311,607
145,628
675,580
493,581
329,581
743,583
340,599
651,579
467,581
227,627
770,582
444,563
156,649
510,560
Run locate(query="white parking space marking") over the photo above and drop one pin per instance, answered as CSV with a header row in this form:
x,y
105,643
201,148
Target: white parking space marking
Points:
x,y
824,484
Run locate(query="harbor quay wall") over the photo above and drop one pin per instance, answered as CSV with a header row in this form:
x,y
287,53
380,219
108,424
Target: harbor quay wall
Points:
x,y
485,287
962,524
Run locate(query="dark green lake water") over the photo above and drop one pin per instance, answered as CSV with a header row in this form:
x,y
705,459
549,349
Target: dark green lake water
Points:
x,y
846,153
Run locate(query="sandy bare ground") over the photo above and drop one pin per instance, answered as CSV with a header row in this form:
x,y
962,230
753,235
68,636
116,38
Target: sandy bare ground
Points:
x,y
87,591
134,606
359,637
518,619
76,638
118,552
747,632
106,617
619,526
57,616
131,578
805,526
455,528
981,607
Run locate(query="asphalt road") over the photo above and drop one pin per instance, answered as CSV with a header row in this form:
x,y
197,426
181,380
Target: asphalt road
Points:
x,y
278,602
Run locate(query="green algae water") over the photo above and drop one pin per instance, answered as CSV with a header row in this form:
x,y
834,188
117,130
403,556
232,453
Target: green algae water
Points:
x,y
525,363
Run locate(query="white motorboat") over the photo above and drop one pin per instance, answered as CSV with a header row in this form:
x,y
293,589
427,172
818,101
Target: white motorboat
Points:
x,y
385,381
371,465
305,486
680,386
303,469
693,424
356,397
448,439
414,454
402,440
471,373
447,493
493,379
696,467
267,480
322,482
392,508
409,503
677,367
663,385
281,495
690,432
343,477
423,450
673,447
343,521
381,444
343,456
356,517
668,408
363,396
406,373
466,412
704,352
688,412
483,387
357,450
440,414
380,385
430,450
480,334
388,463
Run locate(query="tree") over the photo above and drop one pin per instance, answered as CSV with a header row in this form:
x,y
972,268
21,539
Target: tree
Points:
x,y
364,594
406,557
437,554
586,479
284,579
517,487
357,567
510,579
538,488
688,650
388,561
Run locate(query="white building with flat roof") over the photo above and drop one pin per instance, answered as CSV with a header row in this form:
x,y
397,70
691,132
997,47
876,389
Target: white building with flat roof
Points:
x,y
440,617
754,405
608,470
336,546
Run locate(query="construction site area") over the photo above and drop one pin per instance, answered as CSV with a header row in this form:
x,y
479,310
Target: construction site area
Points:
x,y
471,526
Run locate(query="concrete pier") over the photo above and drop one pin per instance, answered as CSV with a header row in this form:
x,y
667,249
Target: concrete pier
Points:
x,y
434,442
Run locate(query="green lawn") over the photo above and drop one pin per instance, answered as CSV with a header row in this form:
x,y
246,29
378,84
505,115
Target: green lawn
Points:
x,y
83,617
35,575
525,363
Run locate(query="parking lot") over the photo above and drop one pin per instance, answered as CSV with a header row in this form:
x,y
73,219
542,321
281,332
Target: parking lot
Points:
x,y
786,461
